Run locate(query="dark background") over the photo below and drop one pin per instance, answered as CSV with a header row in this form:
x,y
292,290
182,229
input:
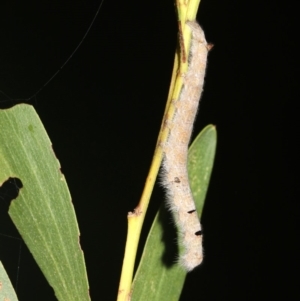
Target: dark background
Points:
x,y
103,112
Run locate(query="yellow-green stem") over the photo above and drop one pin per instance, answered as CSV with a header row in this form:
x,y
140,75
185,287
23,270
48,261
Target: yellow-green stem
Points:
x,y
187,10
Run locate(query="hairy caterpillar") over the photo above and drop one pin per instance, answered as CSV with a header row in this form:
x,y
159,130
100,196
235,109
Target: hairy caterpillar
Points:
x,y
174,168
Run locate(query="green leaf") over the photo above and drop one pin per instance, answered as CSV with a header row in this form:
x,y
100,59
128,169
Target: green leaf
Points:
x,y
7,291
159,277
43,212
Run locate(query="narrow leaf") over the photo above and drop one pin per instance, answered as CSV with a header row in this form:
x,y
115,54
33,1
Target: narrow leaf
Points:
x,y
7,291
159,277
43,212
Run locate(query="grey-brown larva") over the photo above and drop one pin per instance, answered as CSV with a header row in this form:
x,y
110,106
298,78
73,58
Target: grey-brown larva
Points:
x,y
179,194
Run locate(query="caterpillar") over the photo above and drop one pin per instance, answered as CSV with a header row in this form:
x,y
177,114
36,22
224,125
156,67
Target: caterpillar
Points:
x,y
174,176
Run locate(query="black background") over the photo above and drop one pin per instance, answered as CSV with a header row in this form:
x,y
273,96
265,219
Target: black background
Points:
x,y
103,112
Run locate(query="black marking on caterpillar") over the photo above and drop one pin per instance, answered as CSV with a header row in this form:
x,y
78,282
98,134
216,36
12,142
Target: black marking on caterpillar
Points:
x,y
179,197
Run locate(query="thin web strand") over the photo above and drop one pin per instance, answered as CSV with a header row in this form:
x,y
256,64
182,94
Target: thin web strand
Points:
x,y
29,98
62,66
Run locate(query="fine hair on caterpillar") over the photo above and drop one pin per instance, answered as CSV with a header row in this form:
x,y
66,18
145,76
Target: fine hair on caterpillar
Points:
x,y
174,176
